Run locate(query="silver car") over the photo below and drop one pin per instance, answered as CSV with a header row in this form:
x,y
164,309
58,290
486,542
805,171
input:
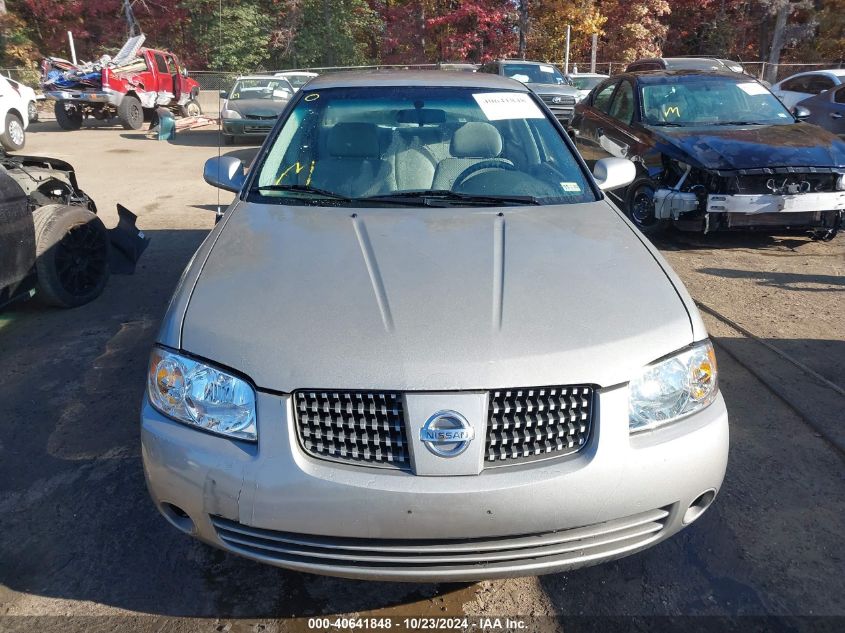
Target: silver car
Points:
x,y
421,344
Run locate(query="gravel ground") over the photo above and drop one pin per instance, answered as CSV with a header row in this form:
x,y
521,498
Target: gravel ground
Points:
x,y
81,539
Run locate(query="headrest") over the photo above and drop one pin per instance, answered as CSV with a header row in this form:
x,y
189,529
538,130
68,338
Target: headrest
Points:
x,y
423,116
476,140
353,139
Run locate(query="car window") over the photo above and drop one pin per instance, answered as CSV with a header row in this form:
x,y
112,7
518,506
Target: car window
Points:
x,y
819,83
601,100
360,142
161,64
586,83
271,88
709,100
622,107
796,84
534,73
839,95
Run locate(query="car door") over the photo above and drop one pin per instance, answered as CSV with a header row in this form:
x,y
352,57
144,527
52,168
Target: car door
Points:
x,y
827,110
591,117
618,138
165,81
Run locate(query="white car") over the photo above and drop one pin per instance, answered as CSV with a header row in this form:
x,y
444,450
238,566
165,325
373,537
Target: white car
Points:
x,y
585,82
14,116
805,85
297,78
30,97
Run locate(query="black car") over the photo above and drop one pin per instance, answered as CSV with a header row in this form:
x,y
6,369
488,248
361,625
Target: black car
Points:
x,y
546,81
52,244
714,151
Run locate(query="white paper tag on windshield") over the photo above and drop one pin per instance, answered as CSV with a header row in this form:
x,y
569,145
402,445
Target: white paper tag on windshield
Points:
x,y
752,88
570,187
498,106
547,69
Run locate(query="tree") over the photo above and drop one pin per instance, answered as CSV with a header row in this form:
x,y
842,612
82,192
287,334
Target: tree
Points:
x,y
475,30
633,29
549,19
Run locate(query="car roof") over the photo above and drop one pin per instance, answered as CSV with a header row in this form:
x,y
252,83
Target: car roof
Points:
x,y
587,75
426,78
657,74
286,73
258,77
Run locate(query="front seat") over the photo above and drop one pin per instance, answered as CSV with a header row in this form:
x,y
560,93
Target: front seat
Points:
x,y
354,167
471,143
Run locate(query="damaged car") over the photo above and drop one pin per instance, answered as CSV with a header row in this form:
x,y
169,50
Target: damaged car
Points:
x,y
52,243
714,151
128,86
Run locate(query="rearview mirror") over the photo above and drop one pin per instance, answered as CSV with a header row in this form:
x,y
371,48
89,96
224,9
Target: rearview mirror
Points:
x,y
224,172
800,112
613,173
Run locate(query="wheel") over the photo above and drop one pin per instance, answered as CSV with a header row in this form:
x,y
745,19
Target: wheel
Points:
x,y
72,255
32,111
639,207
13,136
131,113
68,116
191,108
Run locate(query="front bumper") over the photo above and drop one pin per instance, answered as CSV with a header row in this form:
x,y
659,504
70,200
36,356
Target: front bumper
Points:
x,y
776,203
248,127
271,502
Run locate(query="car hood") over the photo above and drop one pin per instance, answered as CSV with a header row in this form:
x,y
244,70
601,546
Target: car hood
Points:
x,y
432,299
258,107
753,147
553,89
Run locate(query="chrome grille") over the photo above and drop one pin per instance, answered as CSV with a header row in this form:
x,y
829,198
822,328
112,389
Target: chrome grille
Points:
x,y
564,100
531,423
353,426
443,556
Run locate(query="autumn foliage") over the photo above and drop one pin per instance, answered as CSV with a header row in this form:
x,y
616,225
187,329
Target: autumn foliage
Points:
x,y
252,34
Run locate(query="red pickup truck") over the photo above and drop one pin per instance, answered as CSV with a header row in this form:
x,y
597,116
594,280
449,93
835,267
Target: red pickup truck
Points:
x,y
105,89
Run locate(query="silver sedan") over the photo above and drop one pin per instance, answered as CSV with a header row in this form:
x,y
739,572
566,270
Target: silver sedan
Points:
x,y
422,344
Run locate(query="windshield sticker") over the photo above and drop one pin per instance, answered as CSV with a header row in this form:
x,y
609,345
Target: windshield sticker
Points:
x,y
498,106
570,187
312,97
752,88
782,115
547,69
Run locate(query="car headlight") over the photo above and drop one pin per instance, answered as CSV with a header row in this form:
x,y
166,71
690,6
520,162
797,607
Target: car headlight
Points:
x,y
840,183
673,387
200,395
230,114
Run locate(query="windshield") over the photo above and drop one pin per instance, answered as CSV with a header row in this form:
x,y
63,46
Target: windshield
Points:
x,y
297,81
716,100
276,89
429,145
586,83
535,73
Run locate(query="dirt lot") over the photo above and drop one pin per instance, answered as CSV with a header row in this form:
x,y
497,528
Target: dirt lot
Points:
x,y
80,537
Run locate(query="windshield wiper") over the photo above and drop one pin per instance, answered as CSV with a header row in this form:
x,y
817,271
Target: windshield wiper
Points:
x,y
738,123
306,190
424,197
667,124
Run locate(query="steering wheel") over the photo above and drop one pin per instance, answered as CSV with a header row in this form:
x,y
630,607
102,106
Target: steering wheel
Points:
x,y
472,170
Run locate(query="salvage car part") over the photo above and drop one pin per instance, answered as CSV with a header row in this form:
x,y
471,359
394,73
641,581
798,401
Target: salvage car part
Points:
x,y
51,241
422,344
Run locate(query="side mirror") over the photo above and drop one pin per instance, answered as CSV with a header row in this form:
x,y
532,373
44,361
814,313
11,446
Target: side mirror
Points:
x,y
224,94
224,172
800,112
613,173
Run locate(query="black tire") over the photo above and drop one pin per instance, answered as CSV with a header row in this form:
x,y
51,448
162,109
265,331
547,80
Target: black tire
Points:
x,y
72,255
13,137
131,113
639,207
67,118
191,108
32,111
